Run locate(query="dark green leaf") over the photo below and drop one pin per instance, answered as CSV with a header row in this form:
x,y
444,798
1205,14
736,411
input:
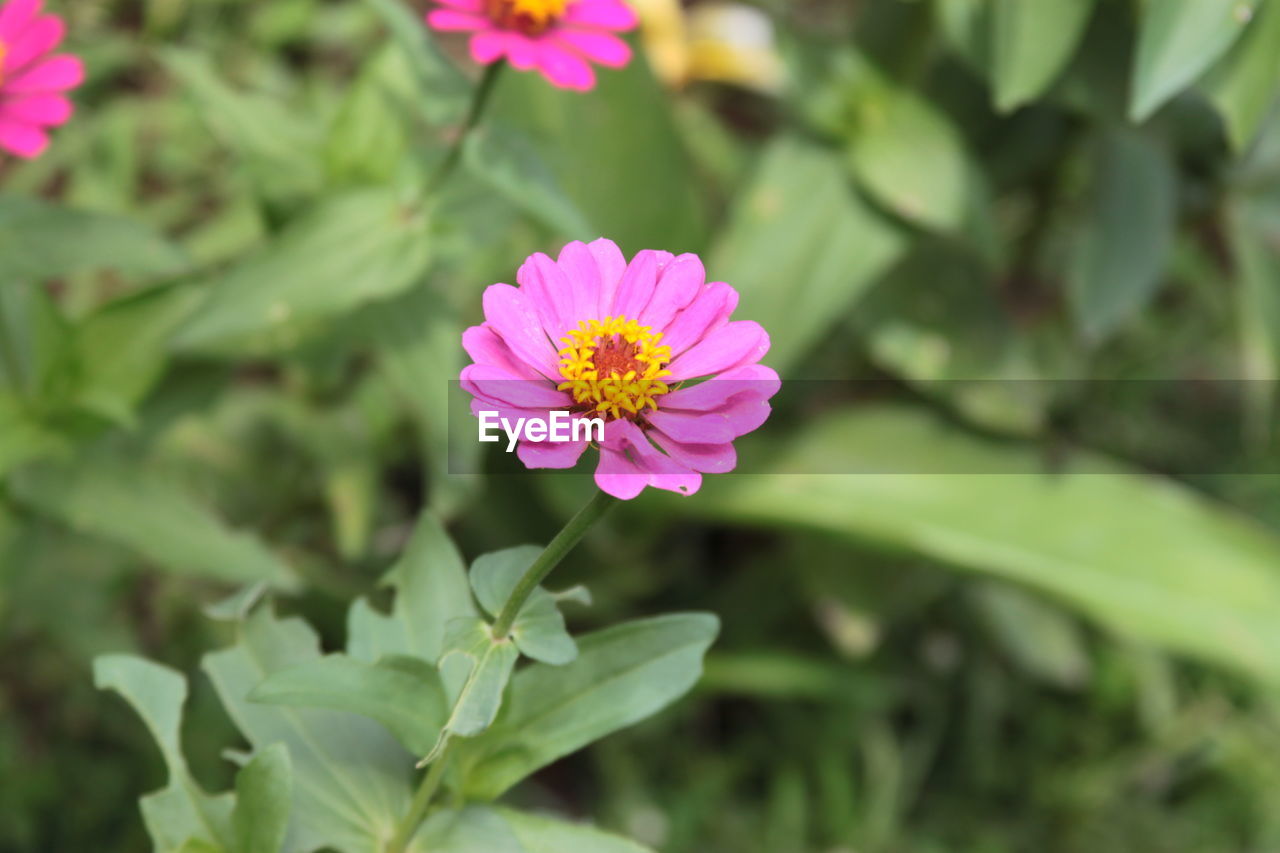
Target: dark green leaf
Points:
x,y
264,795
1033,42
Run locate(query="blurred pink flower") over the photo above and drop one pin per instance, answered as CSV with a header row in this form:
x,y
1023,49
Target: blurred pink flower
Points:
x,y
32,83
594,336
557,37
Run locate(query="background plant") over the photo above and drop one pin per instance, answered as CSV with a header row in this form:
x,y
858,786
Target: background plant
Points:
x,y
228,311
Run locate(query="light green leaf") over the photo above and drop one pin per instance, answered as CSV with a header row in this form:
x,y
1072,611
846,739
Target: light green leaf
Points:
x,y
1244,84
264,795
1141,555
351,778
622,675
910,157
366,138
1033,43
403,693
181,811
538,630
539,834
485,829
351,249
1177,41
430,580
801,247
1040,639
509,162
442,90
475,669
142,509
39,240
1125,242
1257,269
279,149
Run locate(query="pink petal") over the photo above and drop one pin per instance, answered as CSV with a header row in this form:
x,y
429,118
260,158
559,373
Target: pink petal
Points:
x,y
612,264
609,14
664,472
510,315
14,17
522,52
636,288
497,384
51,75
24,140
563,68
731,345
464,5
40,36
707,458
617,475
484,346
741,416
451,20
580,268
604,48
709,310
550,454
754,380
678,283
488,46
549,291
44,110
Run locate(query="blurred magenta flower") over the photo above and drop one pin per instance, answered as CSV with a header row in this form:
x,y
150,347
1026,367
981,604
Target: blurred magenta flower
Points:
x,y
556,37
596,337
32,83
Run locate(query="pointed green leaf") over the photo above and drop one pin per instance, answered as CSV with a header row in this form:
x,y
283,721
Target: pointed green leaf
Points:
x,y
182,811
539,631
1144,556
1177,42
1125,242
475,669
403,693
1244,84
1033,43
622,675
264,796
351,778
1041,639
430,580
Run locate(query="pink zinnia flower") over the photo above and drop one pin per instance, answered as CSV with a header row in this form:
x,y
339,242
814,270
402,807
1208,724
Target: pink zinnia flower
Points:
x,y
557,37
32,81
596,337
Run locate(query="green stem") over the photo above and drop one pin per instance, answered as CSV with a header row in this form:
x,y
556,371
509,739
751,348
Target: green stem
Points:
x,y
478,102
549,558
418,808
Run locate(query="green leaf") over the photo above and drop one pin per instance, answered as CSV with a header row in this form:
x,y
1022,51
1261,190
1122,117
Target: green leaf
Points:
x,y
351,249
279,149
508,162
1243,85
442,90
475,669
264,795
351,778
1040,639
800,223
626,169
538,834
622,675
1125,242
181,811
1033,43
39,241
366,138
1141,555
485,829
538,630
910,157
403,693
142,509
1258,298
1177,41
430,580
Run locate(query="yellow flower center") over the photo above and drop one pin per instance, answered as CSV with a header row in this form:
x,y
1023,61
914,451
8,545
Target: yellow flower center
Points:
x,y
614,366
528,16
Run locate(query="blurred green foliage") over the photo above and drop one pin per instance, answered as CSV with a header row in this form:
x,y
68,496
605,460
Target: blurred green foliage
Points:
x,y
228,314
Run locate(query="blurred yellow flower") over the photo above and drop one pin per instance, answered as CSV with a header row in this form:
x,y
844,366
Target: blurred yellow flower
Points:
x,y
720,41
